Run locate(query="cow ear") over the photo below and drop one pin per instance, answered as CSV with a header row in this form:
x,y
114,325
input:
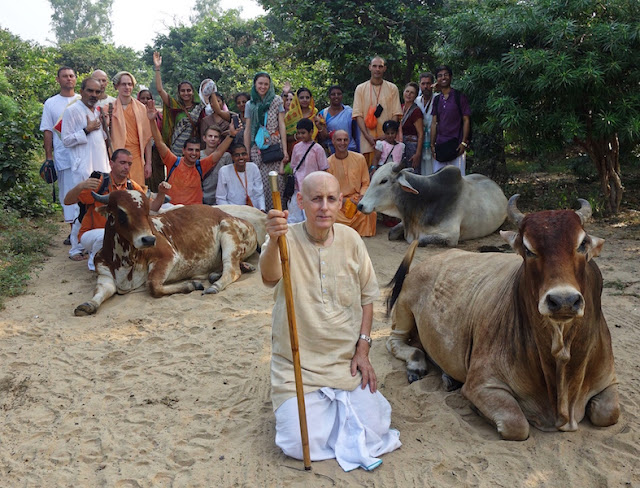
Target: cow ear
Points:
x,y
510,237
596,247
405,185
102,210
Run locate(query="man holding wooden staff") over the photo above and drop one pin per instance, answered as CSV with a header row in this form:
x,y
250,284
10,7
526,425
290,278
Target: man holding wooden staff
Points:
x,y
334,287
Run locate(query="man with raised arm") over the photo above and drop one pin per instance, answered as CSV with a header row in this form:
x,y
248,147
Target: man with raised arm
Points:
x,y
185,173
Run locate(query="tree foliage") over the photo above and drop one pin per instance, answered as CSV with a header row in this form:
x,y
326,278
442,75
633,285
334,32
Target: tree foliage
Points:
x,y
205,9
76,19
347,33
553,73
91,53
230,51
25,81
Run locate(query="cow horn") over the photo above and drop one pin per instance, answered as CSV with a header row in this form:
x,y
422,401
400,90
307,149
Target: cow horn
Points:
x,y
100,198
584,212
396,168
515,215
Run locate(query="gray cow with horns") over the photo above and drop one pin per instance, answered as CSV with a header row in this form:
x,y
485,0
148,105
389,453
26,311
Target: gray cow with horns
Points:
x,y
442,208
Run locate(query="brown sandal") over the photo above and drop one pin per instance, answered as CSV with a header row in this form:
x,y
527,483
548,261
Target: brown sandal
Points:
x,y
78,257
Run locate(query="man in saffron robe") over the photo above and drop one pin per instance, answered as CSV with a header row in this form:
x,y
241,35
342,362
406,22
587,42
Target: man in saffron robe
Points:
x,y
130,128
351,171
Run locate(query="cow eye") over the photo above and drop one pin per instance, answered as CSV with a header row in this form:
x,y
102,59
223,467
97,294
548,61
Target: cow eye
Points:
x,y
528,253
582,248
122,217
384,181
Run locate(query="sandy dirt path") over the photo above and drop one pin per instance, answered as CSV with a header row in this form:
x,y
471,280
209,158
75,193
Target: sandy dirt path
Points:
x,y
174,392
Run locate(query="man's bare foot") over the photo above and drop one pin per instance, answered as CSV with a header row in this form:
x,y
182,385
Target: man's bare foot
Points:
x,y
78,257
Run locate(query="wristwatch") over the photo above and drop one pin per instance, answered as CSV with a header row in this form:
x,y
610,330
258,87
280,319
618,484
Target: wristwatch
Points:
x,y
365,337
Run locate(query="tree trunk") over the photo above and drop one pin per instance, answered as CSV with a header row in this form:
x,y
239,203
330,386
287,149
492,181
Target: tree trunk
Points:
x,y
605,154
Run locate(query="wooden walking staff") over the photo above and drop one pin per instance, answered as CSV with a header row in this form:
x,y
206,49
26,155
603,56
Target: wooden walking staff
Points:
x,y
293,331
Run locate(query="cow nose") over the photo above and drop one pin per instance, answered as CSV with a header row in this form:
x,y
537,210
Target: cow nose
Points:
x,y
148,241
360,207
565,303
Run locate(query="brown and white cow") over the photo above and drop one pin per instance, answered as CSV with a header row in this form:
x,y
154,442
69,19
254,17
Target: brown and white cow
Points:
x,y
190,242
524,332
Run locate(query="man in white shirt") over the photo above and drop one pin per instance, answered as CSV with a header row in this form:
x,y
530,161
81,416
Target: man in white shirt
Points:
x,y
82,134
240,183
53,148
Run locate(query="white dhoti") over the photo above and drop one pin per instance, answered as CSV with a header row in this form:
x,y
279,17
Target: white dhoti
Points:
x,y
91,240
460,162
76,247
65,183
350,426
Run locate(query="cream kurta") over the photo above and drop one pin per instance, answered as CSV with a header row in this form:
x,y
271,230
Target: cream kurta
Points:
x,y
367,96
330,286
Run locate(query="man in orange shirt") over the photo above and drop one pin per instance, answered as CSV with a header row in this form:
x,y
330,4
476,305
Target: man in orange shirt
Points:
x,y
185,173
92,229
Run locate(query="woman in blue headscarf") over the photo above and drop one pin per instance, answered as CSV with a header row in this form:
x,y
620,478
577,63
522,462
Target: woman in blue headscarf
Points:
x,y
264,101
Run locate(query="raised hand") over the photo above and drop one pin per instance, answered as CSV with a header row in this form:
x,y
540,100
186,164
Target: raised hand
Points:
x,y
157,60
151,110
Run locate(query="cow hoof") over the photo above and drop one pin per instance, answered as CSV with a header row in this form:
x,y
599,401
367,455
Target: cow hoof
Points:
x,y
397,233
213,277
415,375
449,383
212,290
85,309
197,285
247,268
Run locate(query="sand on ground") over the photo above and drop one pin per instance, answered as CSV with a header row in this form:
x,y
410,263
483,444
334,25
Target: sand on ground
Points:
x,y
174,392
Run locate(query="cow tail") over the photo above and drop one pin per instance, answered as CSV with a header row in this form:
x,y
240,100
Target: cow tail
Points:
x,y
398,278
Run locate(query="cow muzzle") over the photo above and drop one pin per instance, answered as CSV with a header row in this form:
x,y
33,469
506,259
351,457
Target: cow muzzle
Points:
x,y
145,242
562,303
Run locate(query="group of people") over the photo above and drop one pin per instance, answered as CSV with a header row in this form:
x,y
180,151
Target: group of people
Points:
x,y
198,151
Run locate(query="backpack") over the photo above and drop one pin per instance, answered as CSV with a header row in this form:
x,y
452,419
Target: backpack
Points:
x,y
456,94
175,165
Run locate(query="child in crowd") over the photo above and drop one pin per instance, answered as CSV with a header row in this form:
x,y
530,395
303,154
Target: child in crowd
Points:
x,y
388,150
307,157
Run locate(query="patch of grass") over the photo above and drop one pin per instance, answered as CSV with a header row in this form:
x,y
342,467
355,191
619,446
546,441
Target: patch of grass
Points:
x,y
23,245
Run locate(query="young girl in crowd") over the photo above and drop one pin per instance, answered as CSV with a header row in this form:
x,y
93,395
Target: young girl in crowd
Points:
x,y
388,150
307,157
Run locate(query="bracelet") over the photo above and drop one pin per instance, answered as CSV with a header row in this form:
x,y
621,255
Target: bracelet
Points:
x,y
464,144
366,338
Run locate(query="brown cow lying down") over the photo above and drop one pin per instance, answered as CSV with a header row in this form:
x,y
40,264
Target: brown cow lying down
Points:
x,y
524,332
191,242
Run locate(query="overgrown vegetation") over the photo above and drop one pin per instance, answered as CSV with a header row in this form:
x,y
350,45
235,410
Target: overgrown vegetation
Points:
x,y
23,245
